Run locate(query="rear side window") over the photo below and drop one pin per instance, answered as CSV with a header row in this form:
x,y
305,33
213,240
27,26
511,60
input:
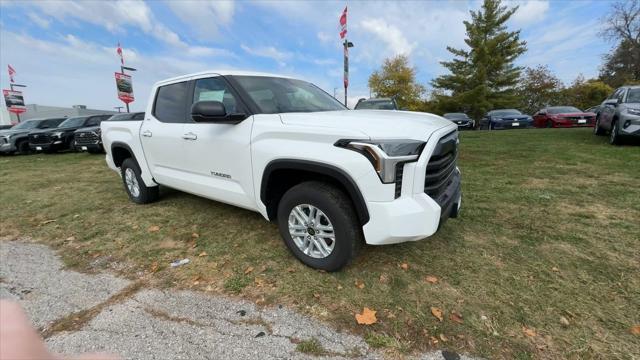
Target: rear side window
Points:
x,y
171,102
93,121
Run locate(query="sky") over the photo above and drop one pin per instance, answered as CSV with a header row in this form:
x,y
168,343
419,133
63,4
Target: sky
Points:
x,y
65,51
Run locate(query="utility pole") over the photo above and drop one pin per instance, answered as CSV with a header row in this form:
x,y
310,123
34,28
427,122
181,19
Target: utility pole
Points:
x,y
122,69
347,44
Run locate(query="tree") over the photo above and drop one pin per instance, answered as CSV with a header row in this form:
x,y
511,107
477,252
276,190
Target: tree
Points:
x,y
586,93
484,76
538,87
622,25
397,79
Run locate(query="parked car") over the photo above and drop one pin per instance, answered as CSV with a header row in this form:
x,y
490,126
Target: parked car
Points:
x,y
89,139
6,127
505,119
593,109
461,119
620,114
16,139
62,137
377,104
330,177
563,116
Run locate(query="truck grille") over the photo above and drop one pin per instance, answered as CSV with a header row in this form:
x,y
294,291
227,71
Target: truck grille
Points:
x,y
86,138
39,138
441,167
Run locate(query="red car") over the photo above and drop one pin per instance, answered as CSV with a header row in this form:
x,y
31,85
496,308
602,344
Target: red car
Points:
x,y
563,116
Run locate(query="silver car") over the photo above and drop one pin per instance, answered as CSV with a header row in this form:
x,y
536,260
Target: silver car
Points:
x,y
619,114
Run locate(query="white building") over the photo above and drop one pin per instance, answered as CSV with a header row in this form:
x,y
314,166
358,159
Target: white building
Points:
x,y
35,111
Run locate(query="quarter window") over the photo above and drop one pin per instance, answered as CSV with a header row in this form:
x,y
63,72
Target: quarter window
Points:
x,y
171,101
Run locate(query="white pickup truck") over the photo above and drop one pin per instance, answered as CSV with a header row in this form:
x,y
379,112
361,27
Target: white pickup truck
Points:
x,y
331,178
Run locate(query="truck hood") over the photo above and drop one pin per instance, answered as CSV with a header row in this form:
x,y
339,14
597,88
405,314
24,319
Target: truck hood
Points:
x,y
378,124
13,132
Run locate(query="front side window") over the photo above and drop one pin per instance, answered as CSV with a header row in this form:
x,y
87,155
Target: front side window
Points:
x,y
280,95
505,112
171,102
30,124
93,121
215,89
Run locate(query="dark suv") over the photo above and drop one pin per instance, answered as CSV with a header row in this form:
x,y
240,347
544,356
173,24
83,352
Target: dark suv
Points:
x,y
377,104
61,138
620,114
89,139
16,139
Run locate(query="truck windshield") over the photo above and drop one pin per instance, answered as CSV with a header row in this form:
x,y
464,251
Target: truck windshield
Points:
x,y
31,124
275,95
563,109
73,122
376,105
633,96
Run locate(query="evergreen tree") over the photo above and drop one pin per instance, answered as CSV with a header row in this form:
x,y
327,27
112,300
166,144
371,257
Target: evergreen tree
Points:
x,y
484,76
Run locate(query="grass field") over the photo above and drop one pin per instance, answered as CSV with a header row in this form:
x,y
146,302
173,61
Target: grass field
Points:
x,y
544,261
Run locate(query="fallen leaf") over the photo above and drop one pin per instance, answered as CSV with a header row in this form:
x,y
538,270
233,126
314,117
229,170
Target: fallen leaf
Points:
x,y
564,321
204,253
437,312
71,238
248,270
339,287
154,228
555,269
291,269
316,295
195,235
135,227
95,255
404,266
384,278
431,279
154,266
529,332
359,284
456,317
47,222
196,283
443,338
367,317
635,330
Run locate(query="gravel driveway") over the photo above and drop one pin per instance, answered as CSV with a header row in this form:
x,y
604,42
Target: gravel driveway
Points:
x,y
79,312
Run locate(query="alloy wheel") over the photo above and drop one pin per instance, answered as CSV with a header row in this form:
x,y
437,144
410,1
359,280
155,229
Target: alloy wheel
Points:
x,y
132,182
311,231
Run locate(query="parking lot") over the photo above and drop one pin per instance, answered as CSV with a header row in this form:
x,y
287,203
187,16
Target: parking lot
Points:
x,y
542,261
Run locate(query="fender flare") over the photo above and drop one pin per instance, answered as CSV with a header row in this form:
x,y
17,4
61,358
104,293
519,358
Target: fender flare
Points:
x,y
120,144
328,170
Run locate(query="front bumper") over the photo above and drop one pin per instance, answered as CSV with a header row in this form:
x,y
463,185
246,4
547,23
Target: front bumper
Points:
x,y
9,147
499,125
52,146
88,147
630,126
411,218
570,124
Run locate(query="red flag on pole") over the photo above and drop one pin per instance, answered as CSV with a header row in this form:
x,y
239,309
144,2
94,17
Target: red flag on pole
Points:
x,y
119,50
11,72
343,24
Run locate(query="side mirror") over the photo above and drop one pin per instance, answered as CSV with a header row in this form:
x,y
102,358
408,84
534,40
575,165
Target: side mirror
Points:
x,y
613,102
214,111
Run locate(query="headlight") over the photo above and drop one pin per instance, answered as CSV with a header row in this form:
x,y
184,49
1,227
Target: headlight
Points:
x,y
634,112
385,155
57,134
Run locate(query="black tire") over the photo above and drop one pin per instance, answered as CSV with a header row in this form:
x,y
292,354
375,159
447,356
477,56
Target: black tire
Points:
x,y
614,137
455,210
597,130
337,207
23,148
145,194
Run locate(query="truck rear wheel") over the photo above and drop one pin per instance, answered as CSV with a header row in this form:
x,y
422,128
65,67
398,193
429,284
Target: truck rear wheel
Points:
x,y
319,225
138,192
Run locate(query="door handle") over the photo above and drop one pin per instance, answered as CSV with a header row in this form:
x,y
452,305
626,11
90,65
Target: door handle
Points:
x,y
147,133
190,136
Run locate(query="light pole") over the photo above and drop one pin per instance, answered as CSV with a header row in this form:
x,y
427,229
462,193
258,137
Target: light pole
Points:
x,y
11,85
347,44
122,69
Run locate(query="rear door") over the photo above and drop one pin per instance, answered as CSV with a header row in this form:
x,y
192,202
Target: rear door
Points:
x,y
218,156
161,135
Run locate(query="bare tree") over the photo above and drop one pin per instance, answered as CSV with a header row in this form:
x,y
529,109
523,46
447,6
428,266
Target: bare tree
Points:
x,y
622,26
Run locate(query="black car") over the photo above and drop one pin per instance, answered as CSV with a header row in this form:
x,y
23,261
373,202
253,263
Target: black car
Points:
x,y
62,137
461,119
377,104
16,139
502,119
89,138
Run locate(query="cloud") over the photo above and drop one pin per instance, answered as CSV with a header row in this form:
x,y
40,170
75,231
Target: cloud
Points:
x,y
112,15
39,20
269,52
390,35
203,17
530,12
323,37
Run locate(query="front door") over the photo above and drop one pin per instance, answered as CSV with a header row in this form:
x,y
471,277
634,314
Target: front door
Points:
x,y
219,155
161,135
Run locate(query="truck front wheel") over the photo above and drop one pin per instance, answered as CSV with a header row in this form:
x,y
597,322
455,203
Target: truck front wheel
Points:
x,y
134,186
319,225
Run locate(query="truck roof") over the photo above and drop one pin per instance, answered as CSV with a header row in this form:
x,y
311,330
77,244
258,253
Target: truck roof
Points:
x,y
220,72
